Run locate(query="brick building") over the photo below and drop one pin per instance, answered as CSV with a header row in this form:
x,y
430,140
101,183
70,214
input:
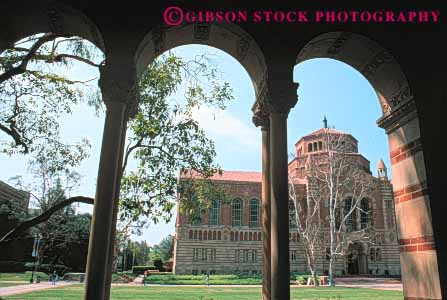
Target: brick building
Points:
x,y
227,239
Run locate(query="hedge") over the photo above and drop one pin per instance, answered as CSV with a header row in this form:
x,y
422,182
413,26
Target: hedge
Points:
x,y
140,269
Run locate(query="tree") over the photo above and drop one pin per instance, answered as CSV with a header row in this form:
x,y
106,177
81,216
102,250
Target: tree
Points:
x,y
164,250
338,178
35,93
163,139
305,218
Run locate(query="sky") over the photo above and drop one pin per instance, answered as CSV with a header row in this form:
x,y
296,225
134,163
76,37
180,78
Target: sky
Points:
x,y
327,88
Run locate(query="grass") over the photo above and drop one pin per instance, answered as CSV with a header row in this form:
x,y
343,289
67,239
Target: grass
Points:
x,y
22,276
211,293
6,283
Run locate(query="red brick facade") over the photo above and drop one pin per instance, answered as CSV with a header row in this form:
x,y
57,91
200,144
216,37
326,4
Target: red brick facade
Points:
x,y
225,248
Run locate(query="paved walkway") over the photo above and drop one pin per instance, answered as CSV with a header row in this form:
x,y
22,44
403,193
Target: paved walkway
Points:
x,y
27,288
390,284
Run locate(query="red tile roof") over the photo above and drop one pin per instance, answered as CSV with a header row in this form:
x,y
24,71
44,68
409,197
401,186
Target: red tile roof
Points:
x,y
241,176
229,176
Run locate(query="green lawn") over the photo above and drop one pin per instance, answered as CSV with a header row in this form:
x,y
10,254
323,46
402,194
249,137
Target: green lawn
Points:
x,y
210,293
21,276
6,283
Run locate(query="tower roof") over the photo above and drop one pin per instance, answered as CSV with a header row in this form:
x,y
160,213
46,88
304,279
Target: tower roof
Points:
x,y
381,165
322,131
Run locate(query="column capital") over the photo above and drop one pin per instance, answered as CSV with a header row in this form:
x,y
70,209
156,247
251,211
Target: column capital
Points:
x,y
278,96
260,115
118,83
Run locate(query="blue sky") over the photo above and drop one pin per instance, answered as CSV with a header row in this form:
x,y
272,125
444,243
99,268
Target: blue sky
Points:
x,y
327,87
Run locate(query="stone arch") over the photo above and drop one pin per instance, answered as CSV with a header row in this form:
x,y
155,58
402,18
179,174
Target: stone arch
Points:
x,y
419,259
227,37
48,16
373,61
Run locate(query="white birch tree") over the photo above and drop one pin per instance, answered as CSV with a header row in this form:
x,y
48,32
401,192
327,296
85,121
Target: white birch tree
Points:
x,y
338,177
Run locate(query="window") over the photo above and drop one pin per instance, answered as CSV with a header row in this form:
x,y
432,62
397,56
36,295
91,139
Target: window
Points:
x,y
315,146
254,255
195,272
320,145
293,255
350,226
191,234
195,254
292,215
213,254
364,213
254,213
309,147
196,220
236,212
204,254
237,255
300,152
215,213
212,272
246,254
375,254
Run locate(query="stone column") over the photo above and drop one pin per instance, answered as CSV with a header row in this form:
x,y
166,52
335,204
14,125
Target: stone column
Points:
x,y
118,91
280,269
261,119
281,98
421,274
108,283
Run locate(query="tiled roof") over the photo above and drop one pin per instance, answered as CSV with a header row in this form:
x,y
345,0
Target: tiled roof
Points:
x,y
241,176
229,176
329,130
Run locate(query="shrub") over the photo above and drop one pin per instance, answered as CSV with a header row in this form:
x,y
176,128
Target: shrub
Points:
x,y
49,269
140,269
9,266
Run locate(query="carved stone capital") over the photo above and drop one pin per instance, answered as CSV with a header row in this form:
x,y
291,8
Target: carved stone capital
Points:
x,y
260,115
118,84
398,117
278,97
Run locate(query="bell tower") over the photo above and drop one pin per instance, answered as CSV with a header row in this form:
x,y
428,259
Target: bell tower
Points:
x,y
381,170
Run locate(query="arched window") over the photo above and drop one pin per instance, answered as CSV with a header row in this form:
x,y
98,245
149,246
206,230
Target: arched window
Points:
x,y
200,234
236,236
232,236
214,235
309,147
320,145
350,225
219,235
245,236
315,146
259,236
195,234
236,212
241,236
254,213
250,236
205,235
190,234
215,213
292,215
364,213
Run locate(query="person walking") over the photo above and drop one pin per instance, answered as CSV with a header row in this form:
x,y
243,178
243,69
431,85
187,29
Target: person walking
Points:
x,y
207,279
53,278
